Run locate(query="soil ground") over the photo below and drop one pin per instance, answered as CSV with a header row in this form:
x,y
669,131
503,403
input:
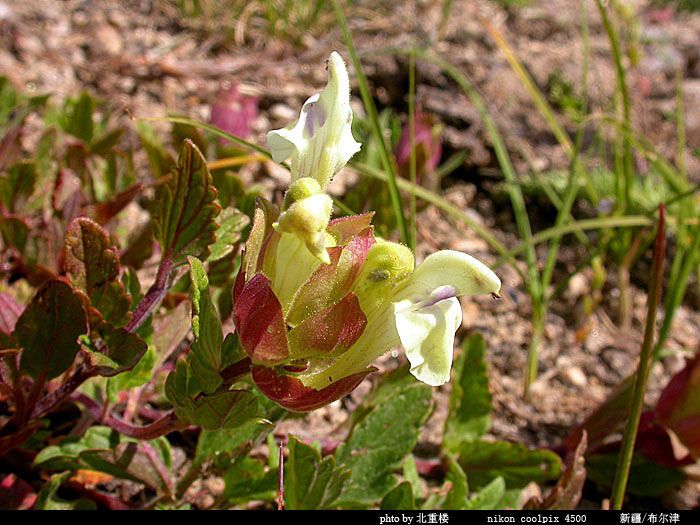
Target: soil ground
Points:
x,y
145,60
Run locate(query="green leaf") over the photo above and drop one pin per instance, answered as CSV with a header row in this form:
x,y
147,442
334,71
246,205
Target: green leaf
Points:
x,y
410,474
224,409
123,351
399,498
380,440
247,480
184,208
17,185
647,479
92,264
104,450
48,500
77,117
516,464
312,482
137,376
230,442
470,403
48,330
205,354
456,498
488,498
231,225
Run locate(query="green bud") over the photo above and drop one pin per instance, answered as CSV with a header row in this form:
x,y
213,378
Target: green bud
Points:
x,y
308,218
387,264
300,190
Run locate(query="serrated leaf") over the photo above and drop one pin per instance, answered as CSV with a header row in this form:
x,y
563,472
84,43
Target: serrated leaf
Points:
x,y
381,439
311,482
483,461
205,354
247,480
92,264
399,498
48,330
184,208
229,441
225,409
122,351
489,497
470,402
231,225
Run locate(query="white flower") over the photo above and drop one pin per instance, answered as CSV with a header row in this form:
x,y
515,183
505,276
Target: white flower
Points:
x,y
320,142
417,309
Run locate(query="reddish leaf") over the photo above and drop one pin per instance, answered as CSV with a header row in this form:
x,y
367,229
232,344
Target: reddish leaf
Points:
x,y
331,282
334,329
567,492
344,229
290,393
258,316
9,313
48,330
679,405
93,266
104,211
654,441
16,494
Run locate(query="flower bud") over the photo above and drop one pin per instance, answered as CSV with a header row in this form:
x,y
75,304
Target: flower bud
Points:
x,y
306,215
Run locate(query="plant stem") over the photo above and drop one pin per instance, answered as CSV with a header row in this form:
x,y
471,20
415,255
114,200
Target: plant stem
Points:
x,y
160,427
236,370
154,295
539,311
645,360
49,401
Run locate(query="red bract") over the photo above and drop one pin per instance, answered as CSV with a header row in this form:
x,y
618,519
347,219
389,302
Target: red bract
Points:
x,y
258,317
318,322
290,392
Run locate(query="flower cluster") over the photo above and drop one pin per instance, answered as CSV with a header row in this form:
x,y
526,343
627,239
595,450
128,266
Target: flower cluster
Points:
x,y
317,301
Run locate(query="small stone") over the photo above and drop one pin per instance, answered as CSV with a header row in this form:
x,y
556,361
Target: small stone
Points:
x,y
109,39
574,376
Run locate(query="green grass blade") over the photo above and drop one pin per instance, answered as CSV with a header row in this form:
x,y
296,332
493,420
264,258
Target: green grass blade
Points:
x,y
371,110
